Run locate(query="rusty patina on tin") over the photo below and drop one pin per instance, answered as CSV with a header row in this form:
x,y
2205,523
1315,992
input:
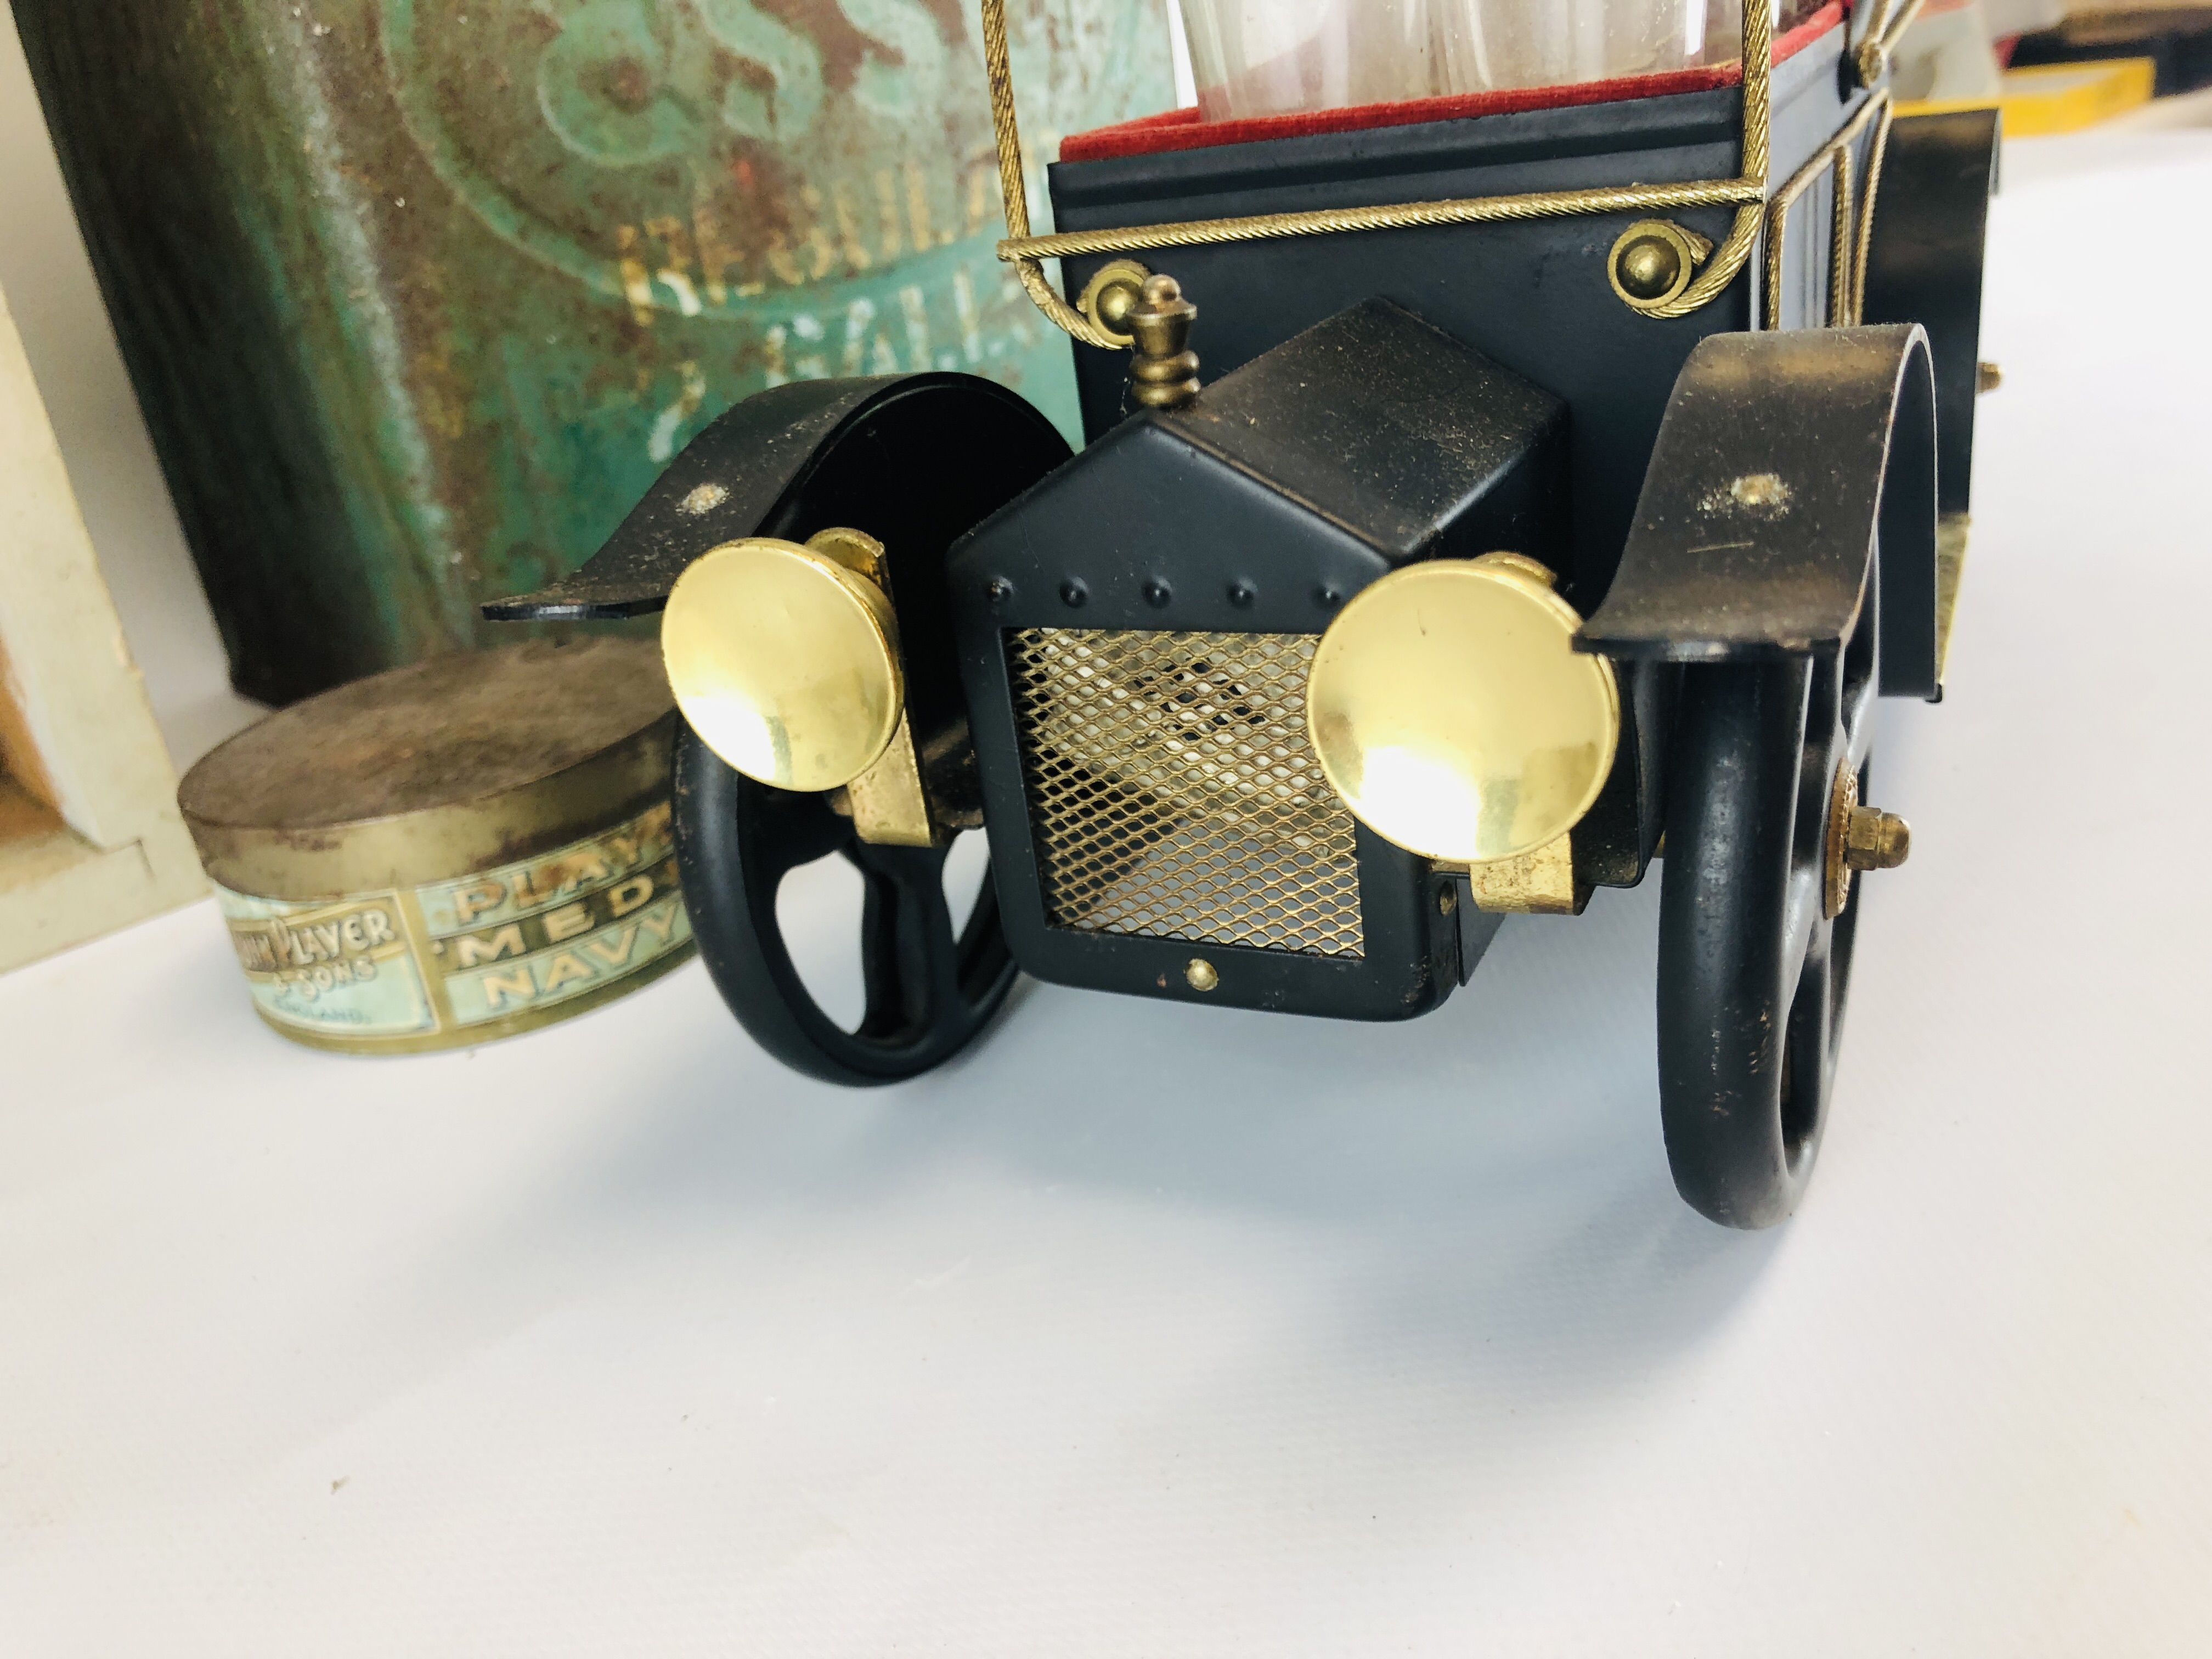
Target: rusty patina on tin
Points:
x,y
420,298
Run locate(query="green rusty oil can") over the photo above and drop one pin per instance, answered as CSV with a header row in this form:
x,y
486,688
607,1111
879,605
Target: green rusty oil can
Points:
x,y
420,295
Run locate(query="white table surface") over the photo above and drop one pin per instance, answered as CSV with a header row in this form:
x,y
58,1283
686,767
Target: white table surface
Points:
x,y
1150,1330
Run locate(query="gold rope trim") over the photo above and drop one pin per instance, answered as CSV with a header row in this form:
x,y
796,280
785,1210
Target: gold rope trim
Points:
x,y
1875,160
1846,265
1754,214
1323,222
1721,270
999,71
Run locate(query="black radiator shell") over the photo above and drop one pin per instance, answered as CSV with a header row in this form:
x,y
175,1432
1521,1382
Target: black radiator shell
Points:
x,y
1365,444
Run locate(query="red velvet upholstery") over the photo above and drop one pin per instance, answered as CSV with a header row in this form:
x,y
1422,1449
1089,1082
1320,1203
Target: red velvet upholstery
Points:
x,y
1180,129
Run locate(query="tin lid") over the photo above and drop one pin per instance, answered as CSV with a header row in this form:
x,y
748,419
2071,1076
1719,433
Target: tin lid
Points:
x,y
425,772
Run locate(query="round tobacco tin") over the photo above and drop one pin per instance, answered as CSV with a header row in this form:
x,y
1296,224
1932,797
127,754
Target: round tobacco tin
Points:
x,y
453,852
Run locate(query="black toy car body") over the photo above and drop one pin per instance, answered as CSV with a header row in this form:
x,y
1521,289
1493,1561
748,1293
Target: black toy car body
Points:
x,y
1719,460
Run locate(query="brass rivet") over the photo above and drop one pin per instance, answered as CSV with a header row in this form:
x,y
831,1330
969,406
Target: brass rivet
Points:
x,y
1988,377
1200,974
1111,294
1654,260
1447,900
1649,266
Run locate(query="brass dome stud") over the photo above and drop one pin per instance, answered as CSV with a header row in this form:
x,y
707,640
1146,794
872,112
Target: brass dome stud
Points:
x,y
1653,261
1872,61
1111,294
1650,266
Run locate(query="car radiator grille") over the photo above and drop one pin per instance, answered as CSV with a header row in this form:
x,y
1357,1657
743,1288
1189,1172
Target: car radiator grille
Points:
x,y
1173,792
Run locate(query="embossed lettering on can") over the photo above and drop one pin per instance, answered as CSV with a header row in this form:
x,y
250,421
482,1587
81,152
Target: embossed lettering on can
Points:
x,y
480,950
450,853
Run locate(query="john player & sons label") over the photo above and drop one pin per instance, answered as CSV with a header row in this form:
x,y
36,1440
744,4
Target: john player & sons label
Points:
x,y
471,957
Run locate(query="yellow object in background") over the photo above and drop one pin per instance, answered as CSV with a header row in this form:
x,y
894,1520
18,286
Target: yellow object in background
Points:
x,y
2055,98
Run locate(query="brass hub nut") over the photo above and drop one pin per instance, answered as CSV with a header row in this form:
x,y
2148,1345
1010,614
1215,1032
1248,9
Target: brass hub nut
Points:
x,y
1877,841
1859,838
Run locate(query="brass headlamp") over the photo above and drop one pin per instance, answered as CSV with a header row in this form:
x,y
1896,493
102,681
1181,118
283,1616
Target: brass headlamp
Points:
x,y
1450,710
785,660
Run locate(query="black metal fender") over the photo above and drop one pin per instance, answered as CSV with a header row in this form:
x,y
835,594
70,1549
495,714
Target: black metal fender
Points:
x,y
1786,464
916,461
1924,265
770,465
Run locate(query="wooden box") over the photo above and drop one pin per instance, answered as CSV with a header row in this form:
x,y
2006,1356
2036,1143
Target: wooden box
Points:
x,y
90,840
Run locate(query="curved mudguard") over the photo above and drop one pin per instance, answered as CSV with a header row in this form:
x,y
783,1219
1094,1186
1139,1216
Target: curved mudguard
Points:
x,y
1924,265
1785,463
915,461
757,471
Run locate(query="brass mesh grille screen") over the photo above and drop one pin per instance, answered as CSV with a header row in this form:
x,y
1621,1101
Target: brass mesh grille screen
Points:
x,y
1174,793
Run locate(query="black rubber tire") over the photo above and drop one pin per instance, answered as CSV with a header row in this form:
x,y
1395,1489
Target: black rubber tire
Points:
x,y
929,994
917,463
1752,976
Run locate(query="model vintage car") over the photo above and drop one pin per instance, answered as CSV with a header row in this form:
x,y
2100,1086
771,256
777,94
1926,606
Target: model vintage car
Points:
x,y
1571,467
